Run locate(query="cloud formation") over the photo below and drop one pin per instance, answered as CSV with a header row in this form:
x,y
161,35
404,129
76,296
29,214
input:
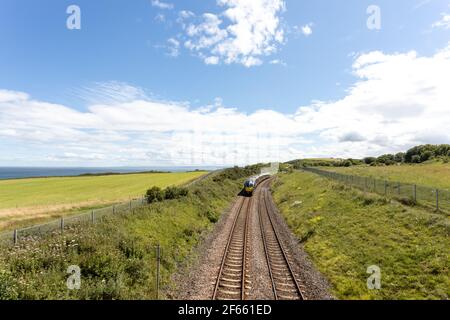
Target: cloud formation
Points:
x,y
243,33
162,5
397,101
444,22
305,30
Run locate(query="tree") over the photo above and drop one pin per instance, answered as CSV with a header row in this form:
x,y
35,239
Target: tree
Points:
x,y
425,156
399,157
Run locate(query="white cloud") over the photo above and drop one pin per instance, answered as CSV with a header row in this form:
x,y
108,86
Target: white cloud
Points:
x,y
305,30
162,5
173,47
444,22
244,32
398,100
278,62
212,60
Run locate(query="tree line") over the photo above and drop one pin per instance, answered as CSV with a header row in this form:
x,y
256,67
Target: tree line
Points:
x,y
418,154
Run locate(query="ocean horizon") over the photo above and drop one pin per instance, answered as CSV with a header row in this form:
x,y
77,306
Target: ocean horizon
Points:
x,y
39,172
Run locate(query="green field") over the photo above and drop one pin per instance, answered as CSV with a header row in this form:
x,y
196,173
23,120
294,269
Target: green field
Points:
x,y
26,200
345,232
117,255
434,174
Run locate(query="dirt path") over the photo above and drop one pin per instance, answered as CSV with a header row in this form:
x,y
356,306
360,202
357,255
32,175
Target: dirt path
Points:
x,y
199,281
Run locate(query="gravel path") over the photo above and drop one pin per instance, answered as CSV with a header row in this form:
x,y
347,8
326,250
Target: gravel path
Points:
x,y
197,283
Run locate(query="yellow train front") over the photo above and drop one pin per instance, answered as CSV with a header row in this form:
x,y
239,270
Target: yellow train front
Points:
x,y
249,187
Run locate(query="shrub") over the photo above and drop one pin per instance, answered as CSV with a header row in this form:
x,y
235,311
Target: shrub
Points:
x,y
171,193
415,159
212,217
369,160
427,155
154,194
400,157
347,163
387,159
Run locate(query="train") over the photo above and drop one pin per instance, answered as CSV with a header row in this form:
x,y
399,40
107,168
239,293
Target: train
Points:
x,y
251,184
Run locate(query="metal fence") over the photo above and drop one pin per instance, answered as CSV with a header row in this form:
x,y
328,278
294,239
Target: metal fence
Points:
x,y
430,197
88,217
59,225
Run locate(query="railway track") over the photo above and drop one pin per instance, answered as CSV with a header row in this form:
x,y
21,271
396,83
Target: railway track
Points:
x,y
285,284
233,280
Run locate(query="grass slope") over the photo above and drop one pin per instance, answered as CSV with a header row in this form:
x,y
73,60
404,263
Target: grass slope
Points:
x,y
432,174
345,232
117,256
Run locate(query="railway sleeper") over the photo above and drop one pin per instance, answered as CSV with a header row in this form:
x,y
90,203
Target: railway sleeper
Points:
x,y
229,286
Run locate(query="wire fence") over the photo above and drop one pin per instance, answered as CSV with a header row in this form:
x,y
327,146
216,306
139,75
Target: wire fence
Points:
x,y
430,197
88,217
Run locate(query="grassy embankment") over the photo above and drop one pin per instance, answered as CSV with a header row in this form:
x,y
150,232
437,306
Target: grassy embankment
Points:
x,y
27,201
345,232
117,256
432,174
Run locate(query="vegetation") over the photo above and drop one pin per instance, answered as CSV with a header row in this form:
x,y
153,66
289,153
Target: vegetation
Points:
x,y
417,154
156,194
25,201
237,173
345,232
117,256
430,174
298,164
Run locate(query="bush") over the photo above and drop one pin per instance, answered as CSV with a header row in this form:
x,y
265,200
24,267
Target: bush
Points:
x,y
155,194
175,193
387,159
212,217
415,159
427,155
399,157
347,163
370,160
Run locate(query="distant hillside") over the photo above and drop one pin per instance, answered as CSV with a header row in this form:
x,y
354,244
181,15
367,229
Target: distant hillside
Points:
x,y
418,154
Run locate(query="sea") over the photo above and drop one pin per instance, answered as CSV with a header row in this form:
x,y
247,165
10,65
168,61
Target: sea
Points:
x,y
34,172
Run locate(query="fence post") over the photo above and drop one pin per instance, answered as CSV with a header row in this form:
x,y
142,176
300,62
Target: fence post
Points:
x,y
158,262
375,185
62,225
130,205
93,217
385,188
15,236
398,188
114,209
437,200
415,193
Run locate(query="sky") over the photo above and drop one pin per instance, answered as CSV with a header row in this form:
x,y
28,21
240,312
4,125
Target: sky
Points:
x,y
220,82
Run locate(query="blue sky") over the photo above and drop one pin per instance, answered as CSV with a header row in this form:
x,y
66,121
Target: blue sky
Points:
x,y
136,51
